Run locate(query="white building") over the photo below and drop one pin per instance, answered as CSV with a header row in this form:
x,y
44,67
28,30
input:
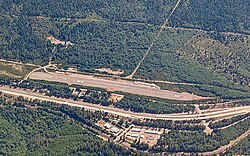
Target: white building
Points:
x,y
152,132
114,129
107,125
136,130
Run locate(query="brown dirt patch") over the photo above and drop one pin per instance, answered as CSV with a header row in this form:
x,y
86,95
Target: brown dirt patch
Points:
x,y
110,71
115,98
16,67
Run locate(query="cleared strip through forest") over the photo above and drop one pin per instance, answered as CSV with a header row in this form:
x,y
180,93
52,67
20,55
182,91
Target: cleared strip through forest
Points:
x,y
154,41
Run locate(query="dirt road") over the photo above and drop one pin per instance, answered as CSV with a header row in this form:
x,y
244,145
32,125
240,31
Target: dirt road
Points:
x,y
154,40
178,116
118,85
232,143
19,63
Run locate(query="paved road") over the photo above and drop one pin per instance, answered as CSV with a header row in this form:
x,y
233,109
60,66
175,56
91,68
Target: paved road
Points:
x,y
179,116
118,85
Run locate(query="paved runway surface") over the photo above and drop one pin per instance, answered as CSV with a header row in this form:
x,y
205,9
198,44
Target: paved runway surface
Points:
x,y
118,85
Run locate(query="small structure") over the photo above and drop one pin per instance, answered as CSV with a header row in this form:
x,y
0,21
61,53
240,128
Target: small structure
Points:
x,y
152,132
58,72
135,135
152,85
107,125
136,130
114,130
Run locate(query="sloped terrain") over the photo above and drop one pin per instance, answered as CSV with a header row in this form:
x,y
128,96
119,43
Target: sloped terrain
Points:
x,y
229,55
216,15
116,35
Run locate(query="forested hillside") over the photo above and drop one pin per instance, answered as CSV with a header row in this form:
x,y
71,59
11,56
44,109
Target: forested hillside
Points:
x,y
228,55
23,39
216,15
151,11
197,141
204,49
26,131
116,34
113,44
242,148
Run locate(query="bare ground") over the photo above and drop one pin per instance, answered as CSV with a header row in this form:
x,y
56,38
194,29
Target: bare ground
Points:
x,y
110,71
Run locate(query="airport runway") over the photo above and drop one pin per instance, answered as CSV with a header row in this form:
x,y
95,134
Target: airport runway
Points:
x,y
117,85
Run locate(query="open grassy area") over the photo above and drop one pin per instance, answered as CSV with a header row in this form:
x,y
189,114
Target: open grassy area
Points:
x,y
14,70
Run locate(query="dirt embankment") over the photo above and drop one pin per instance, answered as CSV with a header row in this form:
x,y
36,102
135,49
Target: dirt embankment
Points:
x,y
110,71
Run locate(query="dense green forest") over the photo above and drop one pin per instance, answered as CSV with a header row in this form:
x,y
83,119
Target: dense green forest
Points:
x,y
208,46
197,141
115,34
216,15
242,148
115,45
22,39
227,122
114,40
151,11
26,131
